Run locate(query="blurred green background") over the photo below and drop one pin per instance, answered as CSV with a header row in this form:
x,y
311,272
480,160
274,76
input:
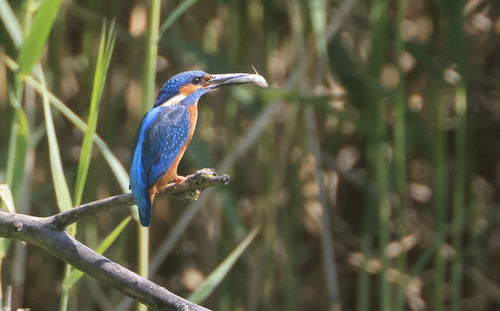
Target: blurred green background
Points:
x,y
371,164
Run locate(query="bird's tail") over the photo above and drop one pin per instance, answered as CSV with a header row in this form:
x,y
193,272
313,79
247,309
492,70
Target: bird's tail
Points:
x,y
139,188
145,208
143,202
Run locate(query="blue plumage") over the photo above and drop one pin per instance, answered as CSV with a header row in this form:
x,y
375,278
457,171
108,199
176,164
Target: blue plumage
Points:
x,y
164,140
162,133
171,87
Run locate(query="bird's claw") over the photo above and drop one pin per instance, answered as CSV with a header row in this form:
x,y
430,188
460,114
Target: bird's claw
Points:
x,y
180,179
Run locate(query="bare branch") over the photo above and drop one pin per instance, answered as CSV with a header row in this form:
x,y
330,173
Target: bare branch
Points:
x,y
48,233
190,188
39,231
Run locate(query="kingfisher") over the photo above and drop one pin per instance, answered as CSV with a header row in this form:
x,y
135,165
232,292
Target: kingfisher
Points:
x,y
167,129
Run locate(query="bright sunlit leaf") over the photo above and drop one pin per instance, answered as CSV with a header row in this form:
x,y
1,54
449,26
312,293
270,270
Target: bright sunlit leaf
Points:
x,y
37,36
103,59
11,23
63,196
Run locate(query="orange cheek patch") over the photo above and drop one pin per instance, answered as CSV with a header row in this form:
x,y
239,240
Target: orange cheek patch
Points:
x,y
187,90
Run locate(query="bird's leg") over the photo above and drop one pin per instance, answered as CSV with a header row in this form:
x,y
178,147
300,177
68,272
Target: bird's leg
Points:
x,y
153,191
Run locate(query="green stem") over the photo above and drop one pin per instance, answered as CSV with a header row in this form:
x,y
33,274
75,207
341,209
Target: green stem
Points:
x,y
440,186
148,88
149,76
457,47
384,216
400,147
18,144
363,300
143,257
11,155
63,301
459,194
378,16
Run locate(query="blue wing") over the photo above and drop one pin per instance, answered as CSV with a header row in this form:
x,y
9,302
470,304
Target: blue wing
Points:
x,y
163,132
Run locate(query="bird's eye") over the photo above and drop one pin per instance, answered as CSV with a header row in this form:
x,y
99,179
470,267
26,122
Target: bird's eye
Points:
x,y
196,80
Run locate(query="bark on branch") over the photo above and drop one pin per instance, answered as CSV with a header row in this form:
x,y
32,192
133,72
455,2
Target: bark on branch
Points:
x,y
48,233
189,189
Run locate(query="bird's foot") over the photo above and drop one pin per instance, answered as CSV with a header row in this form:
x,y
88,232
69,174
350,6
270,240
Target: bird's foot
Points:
x,y
191,195
180,179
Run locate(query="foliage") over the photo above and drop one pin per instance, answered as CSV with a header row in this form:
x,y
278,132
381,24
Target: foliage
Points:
x,y
370,165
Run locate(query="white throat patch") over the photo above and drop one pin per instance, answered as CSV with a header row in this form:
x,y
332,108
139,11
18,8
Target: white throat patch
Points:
x,y
173,101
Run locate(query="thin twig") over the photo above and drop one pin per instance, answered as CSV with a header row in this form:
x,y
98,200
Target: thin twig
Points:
x,y
200,180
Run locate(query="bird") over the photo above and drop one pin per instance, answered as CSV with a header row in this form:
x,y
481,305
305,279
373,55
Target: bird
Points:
x,y
167,129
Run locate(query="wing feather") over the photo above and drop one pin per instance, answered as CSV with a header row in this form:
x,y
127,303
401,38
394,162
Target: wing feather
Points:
x,y
163,132
164,141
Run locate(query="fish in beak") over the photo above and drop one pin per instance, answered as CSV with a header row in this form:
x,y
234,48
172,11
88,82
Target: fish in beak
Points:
x,y
228,79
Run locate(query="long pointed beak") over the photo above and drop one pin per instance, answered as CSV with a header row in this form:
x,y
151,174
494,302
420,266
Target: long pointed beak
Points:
x,y
227,79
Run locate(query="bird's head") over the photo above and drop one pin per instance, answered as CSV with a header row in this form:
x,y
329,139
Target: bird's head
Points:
x,y
191,85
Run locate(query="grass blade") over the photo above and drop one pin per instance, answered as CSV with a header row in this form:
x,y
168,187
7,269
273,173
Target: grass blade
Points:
x,y
18,147
8,202
103,59
11,23
176,13
214,279
7,199
115,165
77,274
4,247
63,196
318,11
37,36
